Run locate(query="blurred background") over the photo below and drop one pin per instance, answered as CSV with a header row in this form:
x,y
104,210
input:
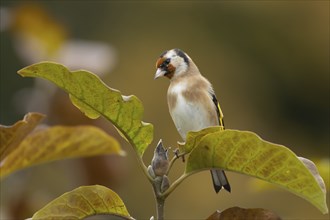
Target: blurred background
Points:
x,y
268,62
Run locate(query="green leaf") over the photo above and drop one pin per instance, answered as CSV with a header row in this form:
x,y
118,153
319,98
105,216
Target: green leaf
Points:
x,y
59,142
94,98
11,136
194,137
83,202
245,152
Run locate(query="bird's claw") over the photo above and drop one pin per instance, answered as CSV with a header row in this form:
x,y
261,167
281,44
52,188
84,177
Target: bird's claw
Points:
x,y
178,154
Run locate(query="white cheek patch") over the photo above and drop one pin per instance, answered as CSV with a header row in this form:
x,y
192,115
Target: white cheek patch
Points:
x,y
179,64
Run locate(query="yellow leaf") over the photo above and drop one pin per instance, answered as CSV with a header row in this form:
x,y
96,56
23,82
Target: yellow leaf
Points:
x,y
11,136
83,202
59,142
94,98
245,152
194,137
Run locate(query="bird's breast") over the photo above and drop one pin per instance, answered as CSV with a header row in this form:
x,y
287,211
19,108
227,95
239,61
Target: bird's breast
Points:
x,y
188,115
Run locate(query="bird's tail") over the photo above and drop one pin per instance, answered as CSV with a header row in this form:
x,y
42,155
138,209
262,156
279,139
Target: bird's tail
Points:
x,y
219,180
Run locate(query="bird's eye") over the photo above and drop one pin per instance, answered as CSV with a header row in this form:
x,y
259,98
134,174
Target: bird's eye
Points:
x,y
165,63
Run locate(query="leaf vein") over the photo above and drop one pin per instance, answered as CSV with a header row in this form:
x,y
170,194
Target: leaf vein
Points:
x,y
76,208
265,162
90,204
119,112
104,203
230,155
131,125
251,159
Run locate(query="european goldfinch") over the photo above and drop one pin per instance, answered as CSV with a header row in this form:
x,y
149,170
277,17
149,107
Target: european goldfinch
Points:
x,y
191,100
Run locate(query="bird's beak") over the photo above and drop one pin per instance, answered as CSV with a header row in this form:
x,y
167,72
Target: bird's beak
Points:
x,y
159,73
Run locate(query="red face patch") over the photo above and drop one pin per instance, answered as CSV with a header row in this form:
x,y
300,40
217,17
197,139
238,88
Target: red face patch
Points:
x,y
171,68
165,65
159,62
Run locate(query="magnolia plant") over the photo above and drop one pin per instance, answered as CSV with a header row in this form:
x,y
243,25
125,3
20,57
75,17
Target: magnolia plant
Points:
x,y
238,151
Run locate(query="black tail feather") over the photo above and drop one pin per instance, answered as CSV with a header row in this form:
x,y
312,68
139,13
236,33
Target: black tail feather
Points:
x,y
220,180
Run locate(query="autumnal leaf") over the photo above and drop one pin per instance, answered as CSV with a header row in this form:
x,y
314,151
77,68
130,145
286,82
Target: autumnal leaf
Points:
x,y
313,169
237,213
59,142
320,170
94,98
11,136
323,166
83,202
245,152
194,137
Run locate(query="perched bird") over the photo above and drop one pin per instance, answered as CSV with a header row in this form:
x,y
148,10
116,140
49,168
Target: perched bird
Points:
x,y
191,100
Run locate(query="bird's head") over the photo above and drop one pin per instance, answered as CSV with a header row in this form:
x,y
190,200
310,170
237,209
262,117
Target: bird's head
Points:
x,y
172,63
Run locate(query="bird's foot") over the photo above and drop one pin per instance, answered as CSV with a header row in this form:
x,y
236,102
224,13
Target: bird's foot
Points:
x,y
178,154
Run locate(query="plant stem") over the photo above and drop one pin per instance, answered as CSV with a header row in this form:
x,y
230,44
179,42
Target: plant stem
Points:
x,y
174,158
175,184
160,200
160,208
171,164
160,197
157,175
144,169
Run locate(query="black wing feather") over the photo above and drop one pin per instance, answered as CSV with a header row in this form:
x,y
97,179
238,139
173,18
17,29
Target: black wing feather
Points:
x,y
217,107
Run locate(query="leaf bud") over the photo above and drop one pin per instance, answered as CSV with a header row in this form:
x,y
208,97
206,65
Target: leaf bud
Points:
x,y
160,162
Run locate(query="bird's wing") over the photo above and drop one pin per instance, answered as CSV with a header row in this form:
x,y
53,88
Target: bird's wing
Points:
x,y
219,112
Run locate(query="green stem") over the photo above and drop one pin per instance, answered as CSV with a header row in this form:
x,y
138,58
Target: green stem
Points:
x,y
160,208
158,183
174,158
175,184
171,164
144,169
160,200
